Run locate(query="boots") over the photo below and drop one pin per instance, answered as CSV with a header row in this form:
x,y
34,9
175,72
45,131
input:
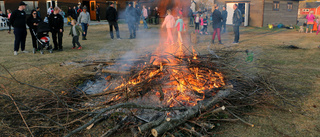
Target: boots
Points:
x,y
220,42
84,38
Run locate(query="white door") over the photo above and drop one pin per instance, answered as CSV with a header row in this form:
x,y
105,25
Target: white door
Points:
x,y
230,11
246,14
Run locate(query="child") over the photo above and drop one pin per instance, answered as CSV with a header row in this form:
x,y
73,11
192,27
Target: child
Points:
x,y
204,22
75,32
69,18
197,22
201,23
169,23
180,27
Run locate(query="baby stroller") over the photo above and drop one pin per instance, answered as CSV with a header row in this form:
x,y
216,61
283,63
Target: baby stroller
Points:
x,y
43,38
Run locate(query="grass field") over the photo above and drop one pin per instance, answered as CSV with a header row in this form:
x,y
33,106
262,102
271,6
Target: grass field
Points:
x,y
295,72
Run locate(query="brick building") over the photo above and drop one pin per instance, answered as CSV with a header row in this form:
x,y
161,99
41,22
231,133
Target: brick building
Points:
x,y
260,13
120,5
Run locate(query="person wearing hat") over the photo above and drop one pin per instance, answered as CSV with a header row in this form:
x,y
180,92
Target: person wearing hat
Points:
x,y
56,23
84,20
112,17
131,15
18,21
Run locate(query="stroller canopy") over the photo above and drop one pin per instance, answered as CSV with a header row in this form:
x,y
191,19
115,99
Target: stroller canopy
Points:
x,y
43,27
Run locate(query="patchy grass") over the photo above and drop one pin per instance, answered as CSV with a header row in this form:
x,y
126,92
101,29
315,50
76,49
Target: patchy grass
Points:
x,y
296,73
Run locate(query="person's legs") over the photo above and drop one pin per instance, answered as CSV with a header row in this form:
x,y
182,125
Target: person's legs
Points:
x,y
206,29
179,37
34,40
214,34
116,27
54,39
17,39
111,29
219,36
145,25
60,35
23,39
76,40
236,34
311,25
170,35
307,28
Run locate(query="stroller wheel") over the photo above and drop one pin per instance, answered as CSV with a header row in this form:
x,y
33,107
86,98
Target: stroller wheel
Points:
x,y
41,51
50,51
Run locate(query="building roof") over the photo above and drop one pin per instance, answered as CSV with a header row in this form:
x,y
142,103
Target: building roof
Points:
x,y
312,4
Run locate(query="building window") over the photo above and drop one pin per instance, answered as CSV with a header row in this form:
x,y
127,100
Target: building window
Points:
x,y
305,10
276,5
289,6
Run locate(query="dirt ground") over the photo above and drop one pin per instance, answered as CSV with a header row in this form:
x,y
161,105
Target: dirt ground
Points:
x,y
295,72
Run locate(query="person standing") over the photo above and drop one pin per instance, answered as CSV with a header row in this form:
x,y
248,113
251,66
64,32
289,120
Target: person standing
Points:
x,y
9,24
169,22
216,24
38,12
18,21
33,22
144,16
224,14
310,17
131,15
197,23
75,13
156,15
138,15
49,11
236,21
84,20
112,17
56,24
70,12
149,15
180,27
98,13
190,14
75,32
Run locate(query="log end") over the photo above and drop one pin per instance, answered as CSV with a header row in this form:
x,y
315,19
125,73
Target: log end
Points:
x,y
168,119
154,132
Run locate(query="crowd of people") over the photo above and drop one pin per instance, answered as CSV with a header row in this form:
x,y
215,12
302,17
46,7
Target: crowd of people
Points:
x,y
133,15
218,21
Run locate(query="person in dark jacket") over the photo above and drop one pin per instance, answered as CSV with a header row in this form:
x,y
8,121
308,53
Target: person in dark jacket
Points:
x,y
56,23
112,17
33,22
38,12
236,21
98,12
18,21
138,16
70,12
75,16
216,24
156,15
224,14
190,15
131,15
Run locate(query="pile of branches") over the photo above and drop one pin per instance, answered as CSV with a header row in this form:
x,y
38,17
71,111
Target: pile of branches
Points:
x,y
67,115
